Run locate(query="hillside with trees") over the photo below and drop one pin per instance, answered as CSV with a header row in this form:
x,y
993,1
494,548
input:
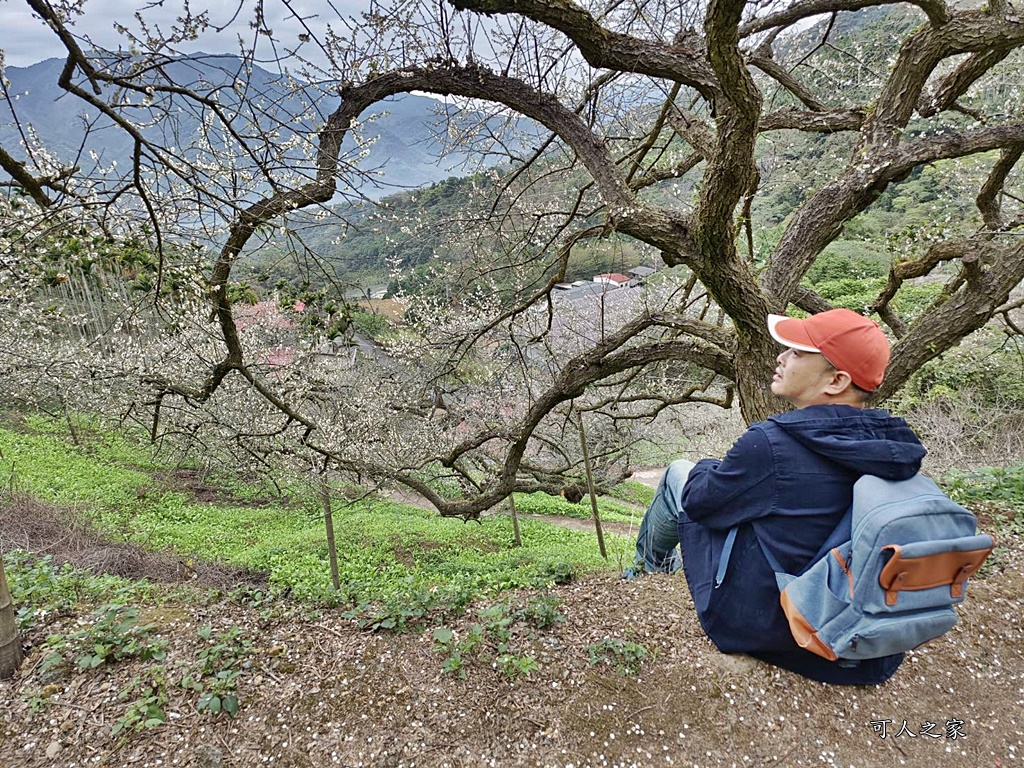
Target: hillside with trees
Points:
x,y
245,519
754,164
869,161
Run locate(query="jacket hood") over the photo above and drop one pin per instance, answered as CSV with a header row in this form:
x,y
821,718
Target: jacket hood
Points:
x,y
867,441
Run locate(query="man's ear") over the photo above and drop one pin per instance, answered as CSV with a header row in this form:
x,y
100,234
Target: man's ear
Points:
x,y
840,382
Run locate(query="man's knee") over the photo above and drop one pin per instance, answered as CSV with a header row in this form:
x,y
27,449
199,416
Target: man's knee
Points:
x,y
670,489
677,472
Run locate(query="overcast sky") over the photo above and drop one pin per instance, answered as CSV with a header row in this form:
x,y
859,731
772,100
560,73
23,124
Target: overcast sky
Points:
x,y
25,39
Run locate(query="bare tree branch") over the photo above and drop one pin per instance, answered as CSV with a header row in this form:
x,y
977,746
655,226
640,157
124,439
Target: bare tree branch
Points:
x,y
770,67
813,122
988,197
967,32
937,11
606,49
955,84
821,219
26,180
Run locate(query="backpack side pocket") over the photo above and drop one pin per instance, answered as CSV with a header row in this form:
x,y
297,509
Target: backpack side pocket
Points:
x,y
817,615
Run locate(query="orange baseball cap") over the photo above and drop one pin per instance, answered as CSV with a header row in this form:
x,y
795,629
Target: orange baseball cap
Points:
x,y
851,342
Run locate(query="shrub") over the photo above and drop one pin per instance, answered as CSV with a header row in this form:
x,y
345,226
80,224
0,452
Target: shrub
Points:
x,y
987,364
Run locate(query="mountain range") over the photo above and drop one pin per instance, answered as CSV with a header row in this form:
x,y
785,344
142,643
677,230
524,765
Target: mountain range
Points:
x,y
405,154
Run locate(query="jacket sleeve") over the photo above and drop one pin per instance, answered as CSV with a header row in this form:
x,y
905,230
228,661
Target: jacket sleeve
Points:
x,y
737,489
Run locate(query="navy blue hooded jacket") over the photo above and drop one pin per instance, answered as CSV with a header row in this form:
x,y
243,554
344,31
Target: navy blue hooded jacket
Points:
x,y
788,481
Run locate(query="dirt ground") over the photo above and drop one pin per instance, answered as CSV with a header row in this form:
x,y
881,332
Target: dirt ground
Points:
x,y
320,691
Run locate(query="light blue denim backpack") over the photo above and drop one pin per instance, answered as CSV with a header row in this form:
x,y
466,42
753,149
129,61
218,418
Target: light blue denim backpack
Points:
x,y
893,585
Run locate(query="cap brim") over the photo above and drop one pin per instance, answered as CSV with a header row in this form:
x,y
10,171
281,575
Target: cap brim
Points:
x,y
789,331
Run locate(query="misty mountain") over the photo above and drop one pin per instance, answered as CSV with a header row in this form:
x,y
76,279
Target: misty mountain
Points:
x,y
406,152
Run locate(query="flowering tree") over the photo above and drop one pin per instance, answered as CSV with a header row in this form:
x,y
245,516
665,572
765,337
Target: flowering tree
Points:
x,y
653,123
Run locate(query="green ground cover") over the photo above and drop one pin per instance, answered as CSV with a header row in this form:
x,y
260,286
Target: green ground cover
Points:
x,y
403,569
387,552
609,509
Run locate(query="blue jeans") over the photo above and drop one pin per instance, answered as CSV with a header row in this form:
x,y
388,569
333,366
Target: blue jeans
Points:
x,y
657,545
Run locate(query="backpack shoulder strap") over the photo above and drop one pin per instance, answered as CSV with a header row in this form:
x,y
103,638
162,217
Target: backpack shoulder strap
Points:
x,y
839,535
723,562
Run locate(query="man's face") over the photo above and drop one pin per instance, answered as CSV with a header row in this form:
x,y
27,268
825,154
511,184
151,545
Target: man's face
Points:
x,y
802,377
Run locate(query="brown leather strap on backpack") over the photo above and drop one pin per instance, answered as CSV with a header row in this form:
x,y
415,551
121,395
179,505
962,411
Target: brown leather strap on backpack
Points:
x,y
914,573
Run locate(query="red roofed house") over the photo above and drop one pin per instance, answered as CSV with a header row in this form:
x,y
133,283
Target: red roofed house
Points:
x,y
613,278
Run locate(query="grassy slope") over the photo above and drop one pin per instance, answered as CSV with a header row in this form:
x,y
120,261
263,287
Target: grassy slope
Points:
x,y
514,679
385,549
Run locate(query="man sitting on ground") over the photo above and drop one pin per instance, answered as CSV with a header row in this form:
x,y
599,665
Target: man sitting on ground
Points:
x,y
787,482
